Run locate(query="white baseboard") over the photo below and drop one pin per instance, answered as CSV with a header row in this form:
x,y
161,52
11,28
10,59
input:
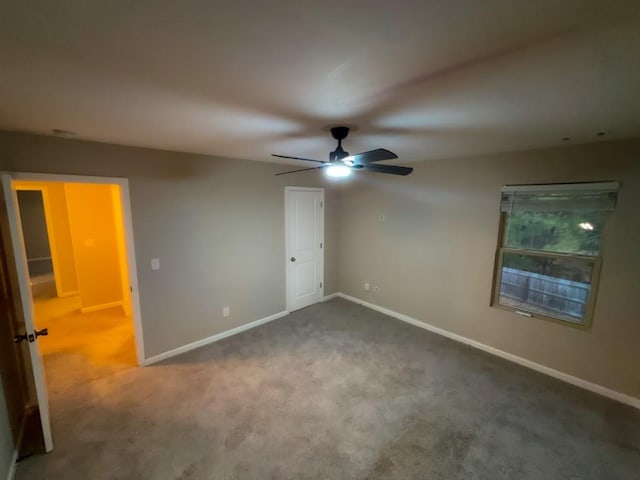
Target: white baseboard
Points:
x,y
213,338
579,382
70,293
14,464
102,306
331,296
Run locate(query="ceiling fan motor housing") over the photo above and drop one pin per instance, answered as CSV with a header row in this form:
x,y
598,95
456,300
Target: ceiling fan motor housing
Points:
x,y
340,133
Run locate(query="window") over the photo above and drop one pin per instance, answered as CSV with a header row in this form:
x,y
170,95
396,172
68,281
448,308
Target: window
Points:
x,y
550,246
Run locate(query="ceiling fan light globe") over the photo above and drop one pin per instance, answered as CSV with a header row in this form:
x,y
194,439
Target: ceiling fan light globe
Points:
x,y
338,171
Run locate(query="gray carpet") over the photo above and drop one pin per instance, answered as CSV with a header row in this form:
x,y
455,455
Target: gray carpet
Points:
x,y
336,391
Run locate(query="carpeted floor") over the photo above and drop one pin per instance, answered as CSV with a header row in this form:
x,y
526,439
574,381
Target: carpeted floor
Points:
x,y
336,391
82,347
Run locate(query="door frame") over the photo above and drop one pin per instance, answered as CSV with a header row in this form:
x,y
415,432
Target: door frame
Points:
x,y
55,260
320,254
125,200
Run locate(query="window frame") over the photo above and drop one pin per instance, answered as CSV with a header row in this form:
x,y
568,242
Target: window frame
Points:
x,y
587,320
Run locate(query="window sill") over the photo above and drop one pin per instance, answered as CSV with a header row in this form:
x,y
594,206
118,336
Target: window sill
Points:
x,y
584,326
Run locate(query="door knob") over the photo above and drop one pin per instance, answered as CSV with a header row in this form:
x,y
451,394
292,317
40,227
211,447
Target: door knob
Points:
x,y
42,333
31,336
293,259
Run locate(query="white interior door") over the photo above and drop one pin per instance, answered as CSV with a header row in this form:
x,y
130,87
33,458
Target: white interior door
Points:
x,y
305,246
20,259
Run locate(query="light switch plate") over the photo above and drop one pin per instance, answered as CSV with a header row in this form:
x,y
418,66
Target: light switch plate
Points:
x,y
155,264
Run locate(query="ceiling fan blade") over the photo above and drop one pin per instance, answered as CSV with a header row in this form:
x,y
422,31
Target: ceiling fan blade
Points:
x,y
300,170
371,156
298,158
392,169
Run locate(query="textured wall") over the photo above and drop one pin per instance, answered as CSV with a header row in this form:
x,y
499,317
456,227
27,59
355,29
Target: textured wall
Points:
x,y
433,255
217,226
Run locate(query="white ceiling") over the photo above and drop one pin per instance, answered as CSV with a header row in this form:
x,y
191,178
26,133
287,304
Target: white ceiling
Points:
x,y
244,79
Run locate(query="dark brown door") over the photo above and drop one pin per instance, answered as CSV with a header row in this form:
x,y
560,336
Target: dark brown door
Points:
x,y
17,378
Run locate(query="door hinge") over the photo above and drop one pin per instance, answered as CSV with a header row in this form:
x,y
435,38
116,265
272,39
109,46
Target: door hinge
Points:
x,y
320,284
321,204
320,244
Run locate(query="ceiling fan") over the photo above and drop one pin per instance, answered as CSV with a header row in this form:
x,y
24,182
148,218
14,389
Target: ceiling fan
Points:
x,y
341,164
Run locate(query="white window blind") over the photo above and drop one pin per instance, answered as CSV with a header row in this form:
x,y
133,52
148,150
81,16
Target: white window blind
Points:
x,y
600,196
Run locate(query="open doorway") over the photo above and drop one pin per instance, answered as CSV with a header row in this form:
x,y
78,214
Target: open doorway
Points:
x,y
78,283
76,258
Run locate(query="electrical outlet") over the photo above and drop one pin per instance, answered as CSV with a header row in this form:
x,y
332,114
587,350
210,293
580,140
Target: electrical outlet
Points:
x,y
155,264
367,287
376,288
226,311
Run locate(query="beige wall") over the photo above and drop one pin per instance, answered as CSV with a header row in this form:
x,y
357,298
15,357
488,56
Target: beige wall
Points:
x,y
95,244
218,228
59,235
433,255
216,225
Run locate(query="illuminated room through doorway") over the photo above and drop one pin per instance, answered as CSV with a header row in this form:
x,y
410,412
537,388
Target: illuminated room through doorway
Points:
x,y
75,246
